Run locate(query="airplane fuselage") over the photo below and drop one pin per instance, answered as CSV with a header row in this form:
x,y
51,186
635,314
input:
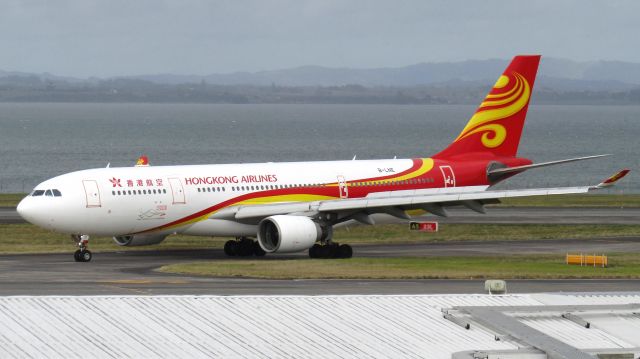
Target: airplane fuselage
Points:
x,y
171,199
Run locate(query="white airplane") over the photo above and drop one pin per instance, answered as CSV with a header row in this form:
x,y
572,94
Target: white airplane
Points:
x,y
291,207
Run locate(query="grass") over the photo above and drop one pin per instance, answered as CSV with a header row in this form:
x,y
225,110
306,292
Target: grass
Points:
x,y
27,238
11,199
570,200
398,233
503,267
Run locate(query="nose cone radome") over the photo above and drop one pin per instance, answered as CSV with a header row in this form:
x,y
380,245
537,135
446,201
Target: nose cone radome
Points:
x,y
25,209
34,213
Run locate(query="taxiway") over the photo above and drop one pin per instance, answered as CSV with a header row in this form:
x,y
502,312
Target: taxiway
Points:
x,y
133,272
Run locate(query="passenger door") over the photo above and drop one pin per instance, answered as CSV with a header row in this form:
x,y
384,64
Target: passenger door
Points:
x,y
177,191
92,193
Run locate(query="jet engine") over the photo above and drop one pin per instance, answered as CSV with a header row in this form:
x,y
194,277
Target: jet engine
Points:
x,y
287,234
139,239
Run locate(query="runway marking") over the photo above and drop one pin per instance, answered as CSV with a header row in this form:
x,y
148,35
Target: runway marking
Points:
x,y
143,281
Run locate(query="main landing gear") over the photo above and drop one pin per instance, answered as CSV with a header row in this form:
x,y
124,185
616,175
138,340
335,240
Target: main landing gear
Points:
x,y
83,254
331,250
243,247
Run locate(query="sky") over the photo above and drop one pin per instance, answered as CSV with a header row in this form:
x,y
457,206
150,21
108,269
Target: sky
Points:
x,y
103,38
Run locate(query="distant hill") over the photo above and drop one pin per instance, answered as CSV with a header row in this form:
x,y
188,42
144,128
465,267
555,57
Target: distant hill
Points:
x,y
559,82
554,73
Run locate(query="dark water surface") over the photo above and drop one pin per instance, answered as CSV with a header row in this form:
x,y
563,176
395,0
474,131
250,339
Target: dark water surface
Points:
x,y
39,141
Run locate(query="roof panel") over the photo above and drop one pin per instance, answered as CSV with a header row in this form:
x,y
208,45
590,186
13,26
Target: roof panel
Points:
x,y
282,326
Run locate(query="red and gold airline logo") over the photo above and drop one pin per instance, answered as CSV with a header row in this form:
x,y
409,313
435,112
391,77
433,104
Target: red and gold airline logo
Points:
x,y
509,95
143,161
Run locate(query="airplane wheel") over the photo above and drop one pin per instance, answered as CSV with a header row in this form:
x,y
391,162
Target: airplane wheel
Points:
x,y
331,250
257,250
345,251
230,248
85,256
313,251
244,247
327,251
76,256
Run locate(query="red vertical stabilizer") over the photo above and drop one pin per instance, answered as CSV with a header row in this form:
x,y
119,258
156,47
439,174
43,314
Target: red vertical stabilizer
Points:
x,y
496,126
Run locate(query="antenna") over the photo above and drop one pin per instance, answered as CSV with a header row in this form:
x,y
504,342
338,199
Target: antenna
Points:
x,y
108,164
354,158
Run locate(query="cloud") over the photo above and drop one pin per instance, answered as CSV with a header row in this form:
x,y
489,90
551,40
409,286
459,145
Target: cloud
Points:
x,y
117,37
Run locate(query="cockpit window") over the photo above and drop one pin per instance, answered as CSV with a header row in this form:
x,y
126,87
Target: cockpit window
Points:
x,y
48,193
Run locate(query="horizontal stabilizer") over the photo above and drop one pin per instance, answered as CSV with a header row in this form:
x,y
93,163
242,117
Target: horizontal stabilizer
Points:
x,y
517,169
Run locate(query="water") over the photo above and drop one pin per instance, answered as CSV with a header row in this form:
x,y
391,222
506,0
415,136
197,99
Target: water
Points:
x,y
40,141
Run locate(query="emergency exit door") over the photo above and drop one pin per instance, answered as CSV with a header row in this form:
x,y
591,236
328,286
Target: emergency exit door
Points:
x,y
448,176
342,187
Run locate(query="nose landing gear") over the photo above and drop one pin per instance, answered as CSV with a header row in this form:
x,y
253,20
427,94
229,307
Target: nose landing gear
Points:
x,y
83,254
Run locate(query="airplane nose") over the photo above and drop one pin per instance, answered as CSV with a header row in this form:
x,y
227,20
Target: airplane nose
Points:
x,y
23,208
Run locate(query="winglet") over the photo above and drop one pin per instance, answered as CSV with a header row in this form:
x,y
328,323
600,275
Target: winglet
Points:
x,y
613,179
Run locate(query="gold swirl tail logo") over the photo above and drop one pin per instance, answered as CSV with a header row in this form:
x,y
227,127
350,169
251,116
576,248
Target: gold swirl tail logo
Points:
x,y
509,95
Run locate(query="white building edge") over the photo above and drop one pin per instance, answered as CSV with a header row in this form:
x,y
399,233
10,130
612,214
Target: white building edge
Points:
x,y
358,326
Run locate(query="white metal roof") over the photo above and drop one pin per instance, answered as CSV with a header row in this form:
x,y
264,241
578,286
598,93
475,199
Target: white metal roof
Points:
x,y
282,326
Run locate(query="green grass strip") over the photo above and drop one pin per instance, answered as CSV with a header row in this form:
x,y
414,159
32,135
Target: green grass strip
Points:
x,y
27,238
503,267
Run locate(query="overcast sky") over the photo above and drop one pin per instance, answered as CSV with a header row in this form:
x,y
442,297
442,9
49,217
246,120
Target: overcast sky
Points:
x,y
125,37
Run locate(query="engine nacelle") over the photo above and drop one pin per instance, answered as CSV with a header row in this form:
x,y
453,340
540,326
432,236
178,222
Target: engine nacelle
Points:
x,y
287,234
139,239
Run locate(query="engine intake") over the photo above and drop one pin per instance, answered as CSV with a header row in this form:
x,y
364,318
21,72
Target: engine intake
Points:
x,y
139,240
287,234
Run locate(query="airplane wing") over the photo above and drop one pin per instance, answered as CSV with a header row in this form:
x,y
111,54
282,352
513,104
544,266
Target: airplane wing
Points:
x,y
396,204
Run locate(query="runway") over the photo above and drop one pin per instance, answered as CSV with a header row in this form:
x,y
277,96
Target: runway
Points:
x,y
504,215
132,272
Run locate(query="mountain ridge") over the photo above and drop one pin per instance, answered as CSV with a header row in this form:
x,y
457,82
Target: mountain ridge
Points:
x,y
555,73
